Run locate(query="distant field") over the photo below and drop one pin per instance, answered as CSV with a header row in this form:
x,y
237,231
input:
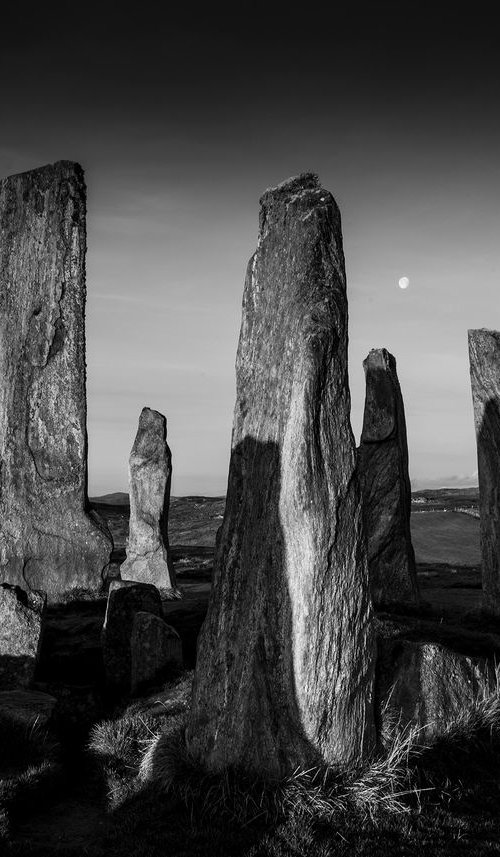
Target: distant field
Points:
x,y
438,536
448,537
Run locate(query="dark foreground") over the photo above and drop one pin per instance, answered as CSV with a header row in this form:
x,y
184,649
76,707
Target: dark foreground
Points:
x,y
74,790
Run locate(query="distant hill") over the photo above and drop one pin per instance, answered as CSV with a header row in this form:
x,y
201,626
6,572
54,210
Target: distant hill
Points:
x,y
440,493
119,498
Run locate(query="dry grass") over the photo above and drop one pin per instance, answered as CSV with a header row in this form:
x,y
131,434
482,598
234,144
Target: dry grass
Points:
x,y
318,794
30,767
118,745
394,782
411,799
23,744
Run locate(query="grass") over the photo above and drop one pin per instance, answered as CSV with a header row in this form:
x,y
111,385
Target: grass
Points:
x,y
22,743
118,745
30,767
445,537
411,799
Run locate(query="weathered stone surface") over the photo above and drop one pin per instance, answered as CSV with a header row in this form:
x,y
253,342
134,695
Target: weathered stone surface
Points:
x,y
48,541
385,484
284,674
156,647
484,359
429,685
150,470
21,625
124,601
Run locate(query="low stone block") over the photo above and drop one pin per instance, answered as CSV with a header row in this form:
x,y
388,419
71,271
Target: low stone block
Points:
x,y
125,599
21,625
429,685
155,648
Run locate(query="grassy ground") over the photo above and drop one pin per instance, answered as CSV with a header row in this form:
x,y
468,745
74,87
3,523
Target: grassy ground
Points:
x,y
445,537
107,808
92,799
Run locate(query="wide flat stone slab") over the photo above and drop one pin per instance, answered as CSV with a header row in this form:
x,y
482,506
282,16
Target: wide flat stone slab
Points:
x,y
434,682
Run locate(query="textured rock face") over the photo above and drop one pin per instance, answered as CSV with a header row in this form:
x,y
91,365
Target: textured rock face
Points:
x,y
47,540
284,673
21,622
385,484
155,648
484,358
148,557
429,685
125,599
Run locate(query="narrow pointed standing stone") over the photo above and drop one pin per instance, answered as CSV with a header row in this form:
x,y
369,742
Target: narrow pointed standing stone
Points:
x,y
150,471
484,359
48,541
284,675
385,483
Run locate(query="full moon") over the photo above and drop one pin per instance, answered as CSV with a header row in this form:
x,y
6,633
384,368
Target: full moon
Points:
x,y
404,282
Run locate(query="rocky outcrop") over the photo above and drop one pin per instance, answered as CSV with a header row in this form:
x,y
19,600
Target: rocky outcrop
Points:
x,y
21,626
285,664
125,600
430,686
385,484
150,470
156,650
48,541
484,358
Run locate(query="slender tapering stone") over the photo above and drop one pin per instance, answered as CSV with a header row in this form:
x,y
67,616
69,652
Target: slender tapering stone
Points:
x,y
150,471
48,540
385,483
484,358
284,676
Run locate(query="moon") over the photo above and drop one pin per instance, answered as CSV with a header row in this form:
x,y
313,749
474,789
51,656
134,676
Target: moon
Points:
x,y
403,282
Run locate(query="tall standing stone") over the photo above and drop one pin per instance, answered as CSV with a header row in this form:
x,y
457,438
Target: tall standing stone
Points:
x,y
48,541
150,470
385,484
484,358
284,675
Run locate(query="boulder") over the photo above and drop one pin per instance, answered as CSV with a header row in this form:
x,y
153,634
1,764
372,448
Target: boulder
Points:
x,y
125,599
385,484
150,470
21,626
285,667
484,360
429,685
156,649
48,540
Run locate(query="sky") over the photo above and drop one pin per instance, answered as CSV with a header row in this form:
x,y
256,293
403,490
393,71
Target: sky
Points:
x,y
182,118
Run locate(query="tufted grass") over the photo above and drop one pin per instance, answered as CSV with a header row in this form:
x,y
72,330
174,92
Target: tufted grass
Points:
x,y
435,798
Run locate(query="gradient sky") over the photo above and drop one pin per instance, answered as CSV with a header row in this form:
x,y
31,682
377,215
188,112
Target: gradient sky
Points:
x,y
182,119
